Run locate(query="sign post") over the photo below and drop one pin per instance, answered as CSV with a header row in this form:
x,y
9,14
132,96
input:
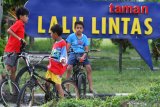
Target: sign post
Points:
x,y
120,56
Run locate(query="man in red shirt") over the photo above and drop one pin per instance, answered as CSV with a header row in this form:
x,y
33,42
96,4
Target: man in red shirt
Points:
x,y
16,32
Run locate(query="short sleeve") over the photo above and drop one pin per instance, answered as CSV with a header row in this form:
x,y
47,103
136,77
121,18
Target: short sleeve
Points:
x,y
16,26
69,39
63,52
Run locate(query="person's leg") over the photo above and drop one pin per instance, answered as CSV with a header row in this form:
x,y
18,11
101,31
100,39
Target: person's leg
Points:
x,y
11,65
60,90
1,78
69,69
9,69
71,61
89,76
13,73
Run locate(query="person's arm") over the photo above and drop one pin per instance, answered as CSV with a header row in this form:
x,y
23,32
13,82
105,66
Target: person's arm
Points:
x,y
86,49
10,32
85,54
68,47
63,56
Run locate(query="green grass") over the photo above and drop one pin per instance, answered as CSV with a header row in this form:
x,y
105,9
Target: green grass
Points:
x,y
127,82
135,73
41,44
106,77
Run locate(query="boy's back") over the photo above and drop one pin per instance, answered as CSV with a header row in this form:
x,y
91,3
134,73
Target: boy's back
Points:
x,y
13,44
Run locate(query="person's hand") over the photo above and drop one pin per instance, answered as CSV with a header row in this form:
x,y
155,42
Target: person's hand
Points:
x,y
23,41
82,59
63,61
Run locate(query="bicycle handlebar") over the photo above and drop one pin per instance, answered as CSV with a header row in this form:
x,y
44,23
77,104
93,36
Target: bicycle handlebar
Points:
x,y
23,46
43,57
92,50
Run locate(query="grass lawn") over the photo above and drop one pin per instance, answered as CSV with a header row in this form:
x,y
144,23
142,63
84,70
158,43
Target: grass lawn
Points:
x,y
135,73
106,77
127,82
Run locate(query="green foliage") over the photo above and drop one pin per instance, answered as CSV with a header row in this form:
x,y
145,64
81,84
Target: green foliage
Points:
x,y
156,48
141,98
125,43
144,97
76,103
96,43
2,45
11,4
52,103
116,101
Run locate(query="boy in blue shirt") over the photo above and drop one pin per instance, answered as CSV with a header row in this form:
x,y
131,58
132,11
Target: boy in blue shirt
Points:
x,y
78,42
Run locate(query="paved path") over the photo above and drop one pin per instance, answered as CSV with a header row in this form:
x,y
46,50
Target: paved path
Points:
x,y
88,95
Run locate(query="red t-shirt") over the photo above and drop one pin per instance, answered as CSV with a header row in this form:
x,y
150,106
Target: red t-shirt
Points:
x,y
59,52
13,44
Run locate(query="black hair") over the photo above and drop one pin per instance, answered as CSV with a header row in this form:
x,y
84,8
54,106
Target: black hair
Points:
x,y
57,29
78,23
21,11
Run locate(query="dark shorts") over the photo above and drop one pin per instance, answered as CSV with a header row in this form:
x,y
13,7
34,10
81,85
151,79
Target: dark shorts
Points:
x,y
72,60
11,60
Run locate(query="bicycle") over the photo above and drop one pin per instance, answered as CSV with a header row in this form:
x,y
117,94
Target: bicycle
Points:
x,y
78,77
9,89
24,73
34,86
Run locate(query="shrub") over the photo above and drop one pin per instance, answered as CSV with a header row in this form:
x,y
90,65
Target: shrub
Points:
x,y
156,48
96,43
2,45
125,44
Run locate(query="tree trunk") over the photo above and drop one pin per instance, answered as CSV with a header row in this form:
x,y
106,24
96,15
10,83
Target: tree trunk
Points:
x,y
1,14
31,40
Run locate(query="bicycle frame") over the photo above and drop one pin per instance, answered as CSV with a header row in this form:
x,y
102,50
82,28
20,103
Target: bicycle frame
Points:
x,y
35,81
77,69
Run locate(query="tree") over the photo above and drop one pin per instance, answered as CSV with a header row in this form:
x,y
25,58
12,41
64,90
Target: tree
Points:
x,y
1,13
7,14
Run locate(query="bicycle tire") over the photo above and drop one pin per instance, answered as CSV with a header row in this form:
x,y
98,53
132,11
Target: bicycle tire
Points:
x,y
8,99
22,97
20,80
82,85
70,93
51,95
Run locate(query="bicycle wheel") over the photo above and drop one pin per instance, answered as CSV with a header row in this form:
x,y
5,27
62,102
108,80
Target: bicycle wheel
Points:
x,y
26,96
82,85
51,95
70,89
9,93
24,74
